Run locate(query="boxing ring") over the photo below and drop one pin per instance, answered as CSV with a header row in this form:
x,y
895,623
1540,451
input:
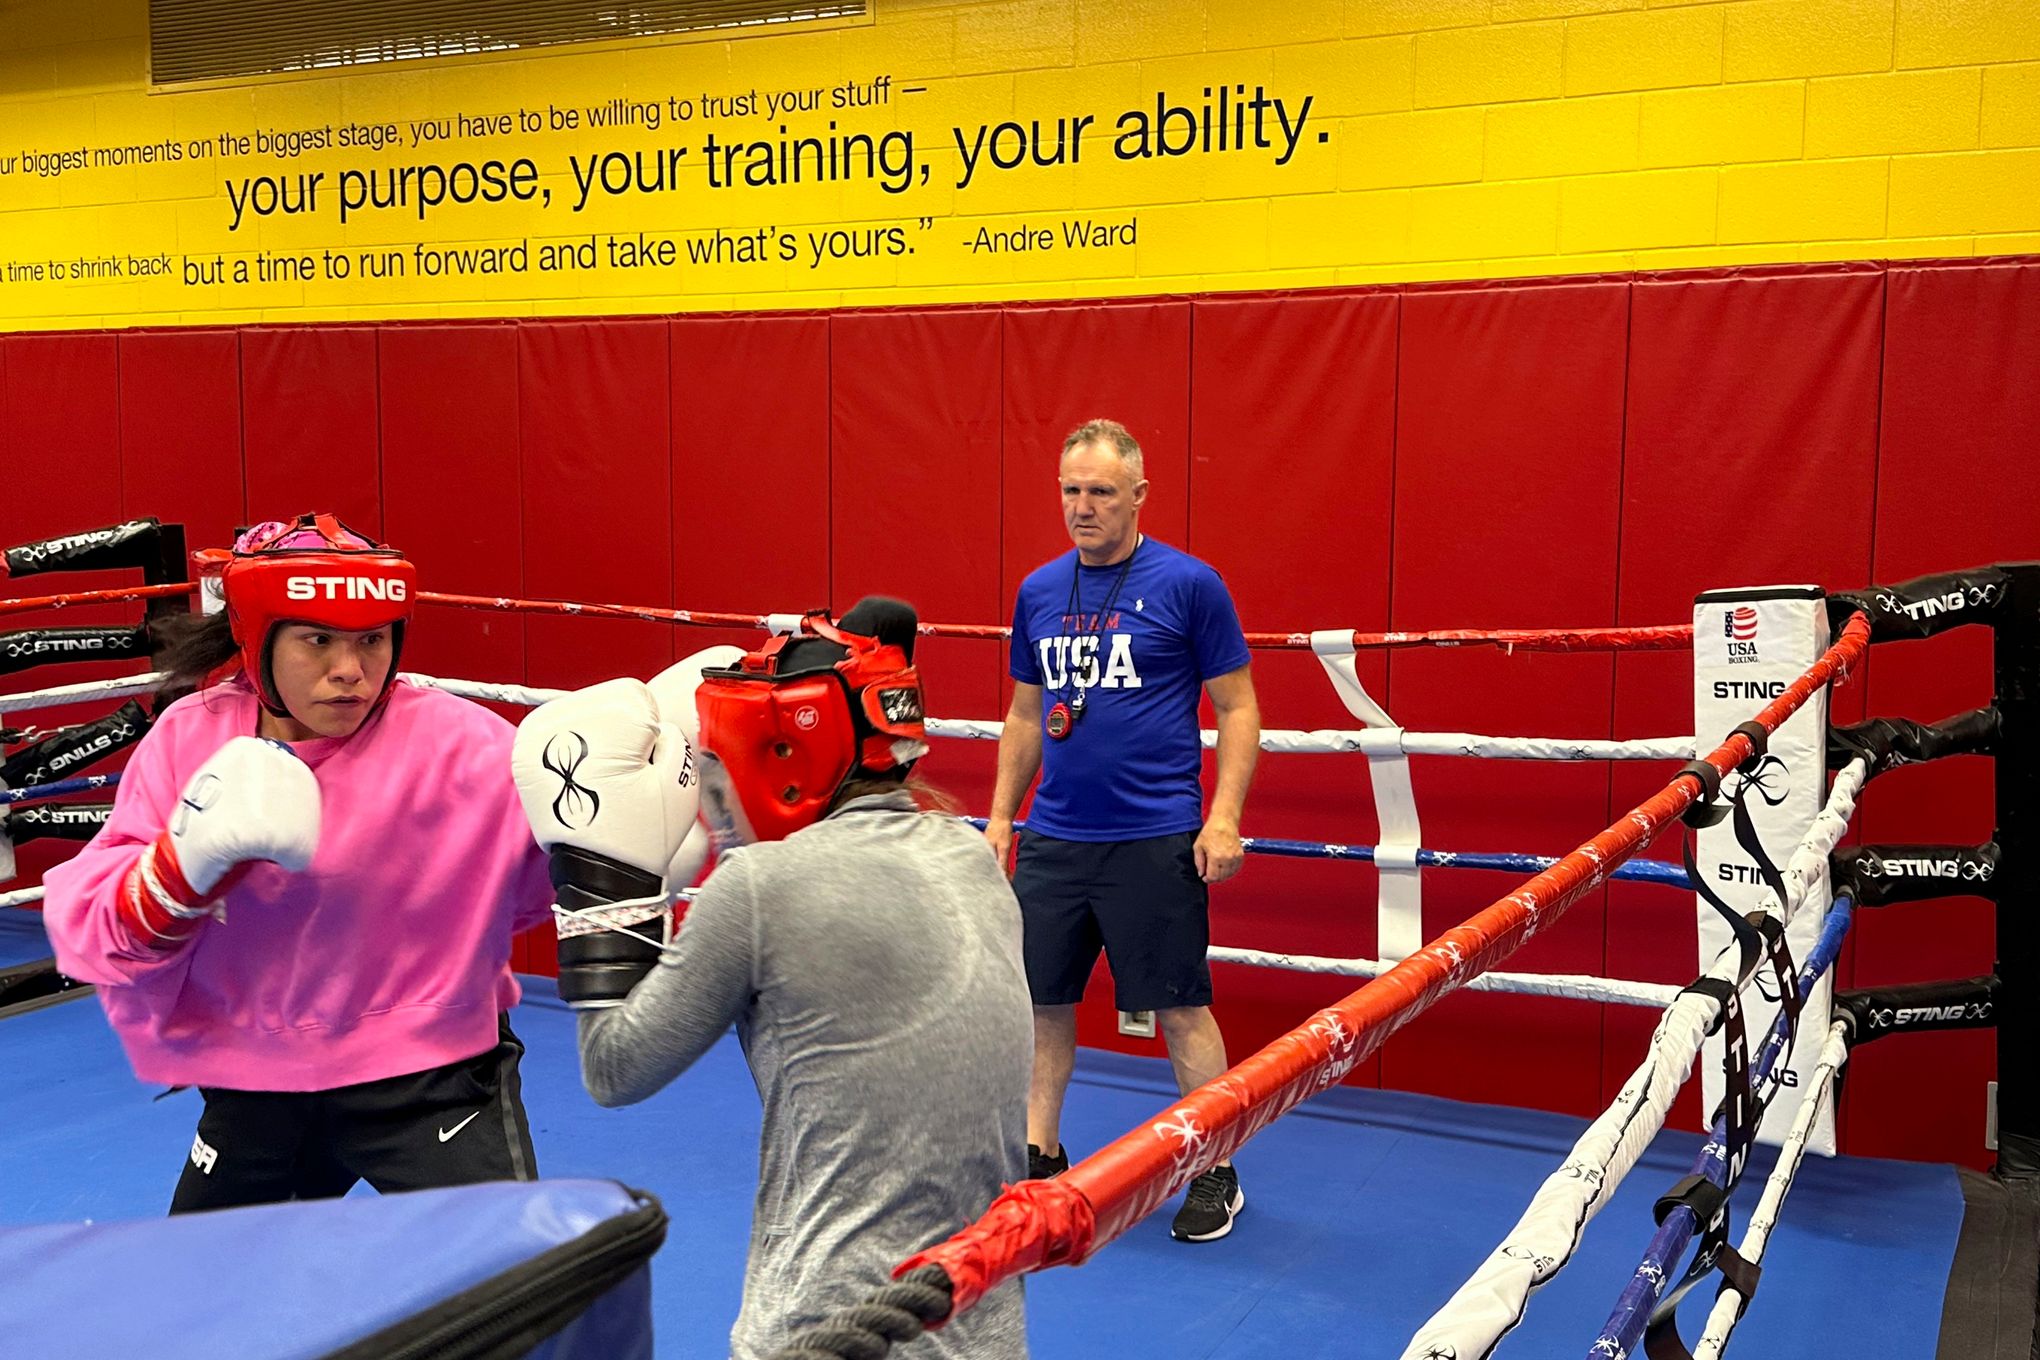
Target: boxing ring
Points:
x,y
1374,1209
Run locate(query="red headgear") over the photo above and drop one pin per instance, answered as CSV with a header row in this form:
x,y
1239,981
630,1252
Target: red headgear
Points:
x,y
315,570
785,728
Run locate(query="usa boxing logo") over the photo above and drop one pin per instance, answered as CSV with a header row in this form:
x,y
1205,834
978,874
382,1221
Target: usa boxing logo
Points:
x,y
1739,634
574,807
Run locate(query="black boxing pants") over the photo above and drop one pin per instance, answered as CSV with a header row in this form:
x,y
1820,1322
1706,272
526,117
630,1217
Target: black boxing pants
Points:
x,y
451,1125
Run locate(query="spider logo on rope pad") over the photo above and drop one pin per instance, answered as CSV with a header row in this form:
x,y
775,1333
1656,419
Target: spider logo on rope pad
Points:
x,y
1187,1133
1769,779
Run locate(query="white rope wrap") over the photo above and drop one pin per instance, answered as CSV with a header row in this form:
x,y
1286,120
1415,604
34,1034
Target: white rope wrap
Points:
x,y
25,897
1377,742
1399,884
1728,1305
1574,986
1493,1299
1386,742
617,916
122,688
524,696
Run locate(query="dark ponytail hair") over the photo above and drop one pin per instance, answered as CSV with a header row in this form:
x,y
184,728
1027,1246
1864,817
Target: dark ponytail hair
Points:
x,y
189,647
927,797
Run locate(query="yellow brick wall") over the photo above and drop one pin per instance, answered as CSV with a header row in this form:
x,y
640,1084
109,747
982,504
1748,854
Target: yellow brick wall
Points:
x,y
1444,139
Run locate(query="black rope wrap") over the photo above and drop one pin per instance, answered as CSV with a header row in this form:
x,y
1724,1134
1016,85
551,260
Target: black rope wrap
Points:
x,y
69,751
27,648
1881,875
1890,742
130,544
1875,1012
891,1315
1925,605
1704,810
1759,738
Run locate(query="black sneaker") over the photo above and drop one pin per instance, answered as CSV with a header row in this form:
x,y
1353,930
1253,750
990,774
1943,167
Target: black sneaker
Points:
x,y
1208,1210
1042,1167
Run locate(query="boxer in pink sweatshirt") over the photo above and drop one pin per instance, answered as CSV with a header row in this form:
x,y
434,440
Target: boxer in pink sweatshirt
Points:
x,y
303,901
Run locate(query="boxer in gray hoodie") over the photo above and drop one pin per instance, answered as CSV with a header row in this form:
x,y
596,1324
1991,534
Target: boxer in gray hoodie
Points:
x,y
867,951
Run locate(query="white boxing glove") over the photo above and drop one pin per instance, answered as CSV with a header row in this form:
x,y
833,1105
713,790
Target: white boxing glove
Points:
x,y
674,686
254,800
611,792
674,689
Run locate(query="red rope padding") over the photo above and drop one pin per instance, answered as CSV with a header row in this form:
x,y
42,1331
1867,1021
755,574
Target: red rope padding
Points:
x,y
1662,638
83,597
700,618
1063,1221
1668,637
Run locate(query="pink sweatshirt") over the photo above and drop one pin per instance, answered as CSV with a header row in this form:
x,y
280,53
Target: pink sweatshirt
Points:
x,y
389,954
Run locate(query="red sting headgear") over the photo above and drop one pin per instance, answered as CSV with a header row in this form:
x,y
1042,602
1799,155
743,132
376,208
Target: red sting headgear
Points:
x,y
314,570
785,728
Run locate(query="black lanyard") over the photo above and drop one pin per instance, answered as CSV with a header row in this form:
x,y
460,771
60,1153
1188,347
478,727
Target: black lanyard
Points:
x,y
1069,705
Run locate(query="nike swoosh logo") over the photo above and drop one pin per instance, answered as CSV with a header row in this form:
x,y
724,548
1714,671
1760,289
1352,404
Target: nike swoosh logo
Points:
x,y
445,1134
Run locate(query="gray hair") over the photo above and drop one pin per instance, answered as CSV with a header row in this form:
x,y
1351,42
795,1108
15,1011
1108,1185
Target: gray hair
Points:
x,y
1115,436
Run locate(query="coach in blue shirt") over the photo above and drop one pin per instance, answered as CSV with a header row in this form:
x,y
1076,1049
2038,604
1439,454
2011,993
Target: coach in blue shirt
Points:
x,y
1111,644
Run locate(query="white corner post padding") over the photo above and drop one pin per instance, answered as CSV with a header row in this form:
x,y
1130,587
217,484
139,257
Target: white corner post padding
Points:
x,y
1748,645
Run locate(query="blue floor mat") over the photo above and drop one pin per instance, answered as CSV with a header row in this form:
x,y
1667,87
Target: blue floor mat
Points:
x,y
1365,1208
22,939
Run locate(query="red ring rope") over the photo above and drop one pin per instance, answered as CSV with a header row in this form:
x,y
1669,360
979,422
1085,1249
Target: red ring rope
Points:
x,y
1659,638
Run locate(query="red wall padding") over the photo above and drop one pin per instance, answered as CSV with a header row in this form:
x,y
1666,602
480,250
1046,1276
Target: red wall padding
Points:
x,y
1958,484
1507,479
60,451
596,437
1756,392
1292,457
180,431
309,429
750,458
453,485
1539,453
914,506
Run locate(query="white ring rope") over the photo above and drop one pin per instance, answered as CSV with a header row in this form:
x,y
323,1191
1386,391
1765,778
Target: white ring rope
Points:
x,y
122,688
1376,742
1494,1297
1728,1304
1575,986
1373,743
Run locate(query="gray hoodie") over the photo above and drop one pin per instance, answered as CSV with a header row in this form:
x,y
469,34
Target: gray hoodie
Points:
x,y
871,963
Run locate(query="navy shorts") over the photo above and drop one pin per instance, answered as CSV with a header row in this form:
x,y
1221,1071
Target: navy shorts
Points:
x,y
1141,901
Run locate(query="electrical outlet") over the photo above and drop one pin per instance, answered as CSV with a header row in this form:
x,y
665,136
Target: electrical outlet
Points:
x,y
1140,1024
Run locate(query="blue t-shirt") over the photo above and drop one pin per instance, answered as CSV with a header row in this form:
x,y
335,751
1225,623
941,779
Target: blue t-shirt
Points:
x,y
1128,769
